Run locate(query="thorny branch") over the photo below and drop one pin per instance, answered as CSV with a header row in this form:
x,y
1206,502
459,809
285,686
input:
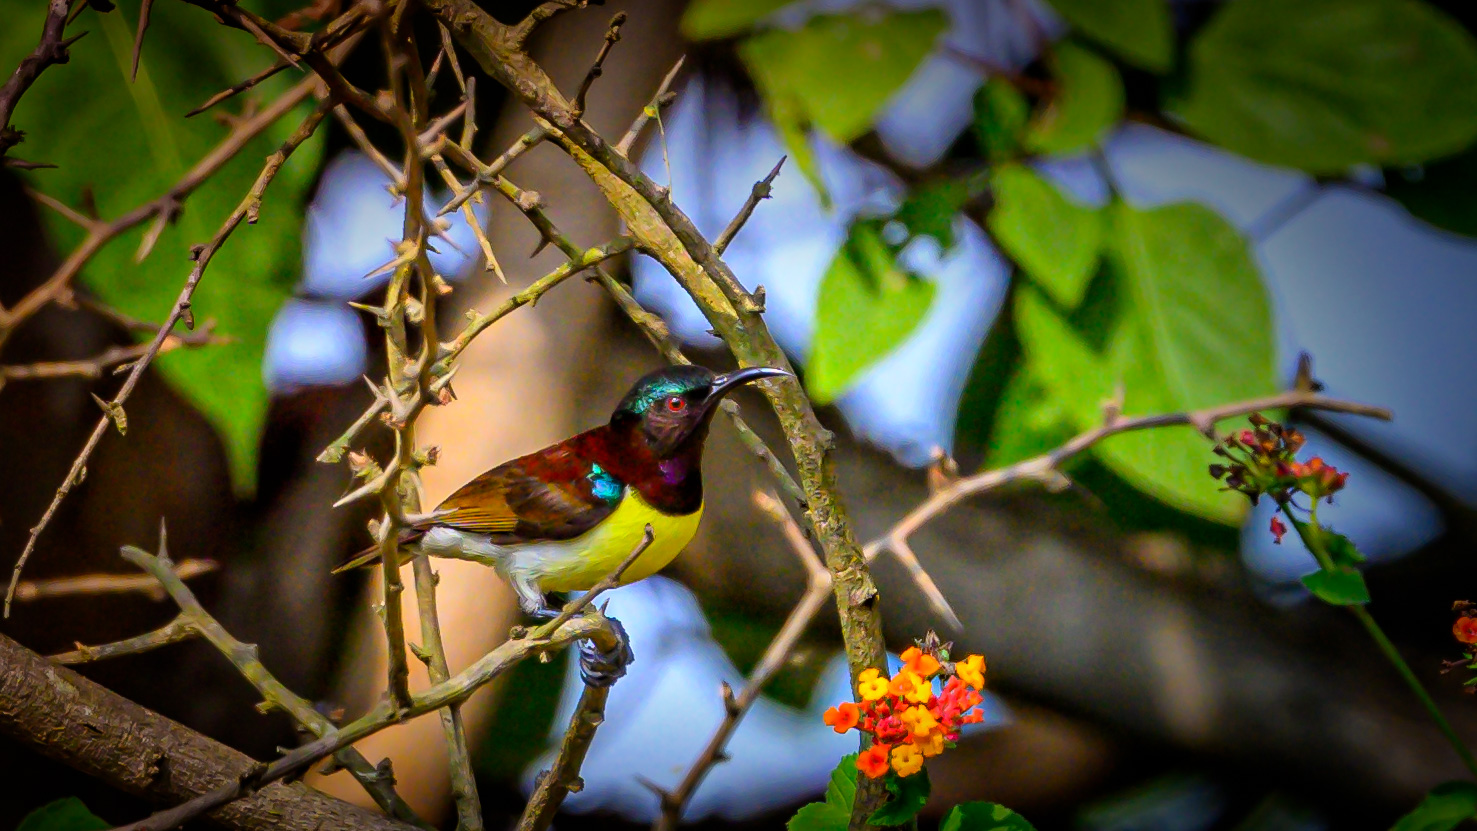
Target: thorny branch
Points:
x,y
52,49
591,625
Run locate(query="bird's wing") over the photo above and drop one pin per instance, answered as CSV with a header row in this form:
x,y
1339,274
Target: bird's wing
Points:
x,y
547,495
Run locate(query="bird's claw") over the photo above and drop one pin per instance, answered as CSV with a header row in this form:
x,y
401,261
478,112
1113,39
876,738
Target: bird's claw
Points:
x,y
601,669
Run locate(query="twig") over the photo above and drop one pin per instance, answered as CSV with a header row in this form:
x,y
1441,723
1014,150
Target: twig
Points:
x,y
562,778
1046,468
175,631
114,356
612,36
817,590
662,97
51,49
455,690
100,233
89,584
760,191
433,651
138,39
486,173
195,620
181,308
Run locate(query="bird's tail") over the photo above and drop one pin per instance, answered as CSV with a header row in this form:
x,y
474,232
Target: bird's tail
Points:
x,y
371,555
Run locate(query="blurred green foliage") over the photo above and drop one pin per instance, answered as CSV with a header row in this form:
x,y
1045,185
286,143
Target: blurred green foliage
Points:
x,y
1138,31
1087,103
128,143
1325,84
835,73
983,816
868,305
66,814
1166,305
1443,809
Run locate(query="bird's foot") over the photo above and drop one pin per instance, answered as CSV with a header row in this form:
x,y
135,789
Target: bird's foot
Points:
x,y
601,669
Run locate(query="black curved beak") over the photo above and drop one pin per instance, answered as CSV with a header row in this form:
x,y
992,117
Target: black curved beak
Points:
x,y
729,381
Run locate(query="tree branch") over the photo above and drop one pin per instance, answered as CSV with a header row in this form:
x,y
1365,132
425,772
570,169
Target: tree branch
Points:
x,y
66,717
52,49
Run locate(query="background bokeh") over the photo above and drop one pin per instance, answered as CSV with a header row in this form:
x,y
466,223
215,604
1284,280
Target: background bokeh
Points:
x,y
993,214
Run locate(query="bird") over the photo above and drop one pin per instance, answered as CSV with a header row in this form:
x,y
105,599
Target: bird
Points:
x,y
563,518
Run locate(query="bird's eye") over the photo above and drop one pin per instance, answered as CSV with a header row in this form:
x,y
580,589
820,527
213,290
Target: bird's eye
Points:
x,y
676,404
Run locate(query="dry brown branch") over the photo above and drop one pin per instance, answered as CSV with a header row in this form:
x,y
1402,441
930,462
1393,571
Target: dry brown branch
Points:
x,y
612,37
100,233
202,257
117,358
1047,468
138,39
88,584
817,590
51,49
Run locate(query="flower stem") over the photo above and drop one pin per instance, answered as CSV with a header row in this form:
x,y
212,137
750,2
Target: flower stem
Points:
x,y
1313,538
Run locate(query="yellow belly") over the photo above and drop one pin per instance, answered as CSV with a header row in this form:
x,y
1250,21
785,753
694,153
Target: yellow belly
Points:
x,y
580,563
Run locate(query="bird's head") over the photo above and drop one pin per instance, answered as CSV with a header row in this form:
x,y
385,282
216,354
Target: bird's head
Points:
x,y
676,403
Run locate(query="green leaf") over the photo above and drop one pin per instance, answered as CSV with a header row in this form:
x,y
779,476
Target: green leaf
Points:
x,y
1443,809
1000,115
1339,548
984,816
1189,326
839,70
1197,332
66,814
1088,101
1055,240
930,209
909,795
1441,194
131,142
1139,31
867,306
710,19
1325,84
1029,420
835,813
1341,586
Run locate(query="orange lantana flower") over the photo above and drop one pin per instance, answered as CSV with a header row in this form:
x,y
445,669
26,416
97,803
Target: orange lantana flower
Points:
x,y
1465,629
920,722
906,760
873,761
919,662
971,671
906,684
931,746
843,717
870,686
